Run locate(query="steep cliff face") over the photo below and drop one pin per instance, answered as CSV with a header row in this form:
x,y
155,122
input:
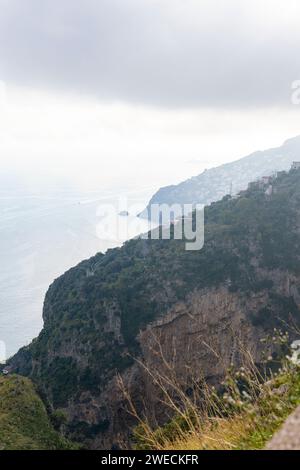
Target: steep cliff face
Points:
x,y
153,301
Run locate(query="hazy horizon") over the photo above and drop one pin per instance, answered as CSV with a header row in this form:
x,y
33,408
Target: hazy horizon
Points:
x,y
168,89
117,97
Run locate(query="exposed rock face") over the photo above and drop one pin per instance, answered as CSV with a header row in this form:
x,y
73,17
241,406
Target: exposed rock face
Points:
x,y
169,308
288,437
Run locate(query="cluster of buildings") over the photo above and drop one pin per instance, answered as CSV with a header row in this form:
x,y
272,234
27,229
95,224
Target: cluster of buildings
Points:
x,y
7,370
295,166
266,181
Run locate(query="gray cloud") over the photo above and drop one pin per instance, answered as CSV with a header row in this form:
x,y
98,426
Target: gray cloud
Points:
x,y
172,53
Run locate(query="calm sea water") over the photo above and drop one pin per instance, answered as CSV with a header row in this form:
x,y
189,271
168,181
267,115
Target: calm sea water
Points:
x,y
41,236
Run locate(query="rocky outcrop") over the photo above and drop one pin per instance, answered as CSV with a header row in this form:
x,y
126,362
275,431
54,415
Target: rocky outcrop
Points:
x,y
153,307
288,437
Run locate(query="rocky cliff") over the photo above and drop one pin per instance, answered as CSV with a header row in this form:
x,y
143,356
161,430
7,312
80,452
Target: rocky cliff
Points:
x,y
172,309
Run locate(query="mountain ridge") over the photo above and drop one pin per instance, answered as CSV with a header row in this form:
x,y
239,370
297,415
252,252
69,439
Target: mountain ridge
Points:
x,y
215,183
151,297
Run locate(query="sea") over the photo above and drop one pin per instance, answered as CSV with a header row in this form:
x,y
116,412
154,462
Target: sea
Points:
x,y
42,235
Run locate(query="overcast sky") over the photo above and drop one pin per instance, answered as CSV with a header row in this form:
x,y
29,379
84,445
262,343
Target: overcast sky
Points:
x,y
110,85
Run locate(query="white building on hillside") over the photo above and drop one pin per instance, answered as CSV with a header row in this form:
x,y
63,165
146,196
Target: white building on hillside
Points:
x,y
296,166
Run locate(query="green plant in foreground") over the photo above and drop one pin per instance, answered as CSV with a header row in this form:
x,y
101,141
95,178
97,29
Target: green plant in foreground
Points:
x,y
24,423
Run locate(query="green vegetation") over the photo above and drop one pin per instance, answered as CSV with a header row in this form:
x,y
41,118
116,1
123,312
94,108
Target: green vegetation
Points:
x,y
24,423
94,312
280,400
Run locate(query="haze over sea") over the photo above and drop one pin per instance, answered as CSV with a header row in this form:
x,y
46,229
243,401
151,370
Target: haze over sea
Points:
x,y
49,222
42,234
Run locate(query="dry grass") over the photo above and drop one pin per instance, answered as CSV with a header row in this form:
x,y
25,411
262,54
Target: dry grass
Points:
x,y
246,416
222,434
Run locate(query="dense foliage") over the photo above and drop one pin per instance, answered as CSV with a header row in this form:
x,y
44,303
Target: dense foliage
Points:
x,y
24,423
